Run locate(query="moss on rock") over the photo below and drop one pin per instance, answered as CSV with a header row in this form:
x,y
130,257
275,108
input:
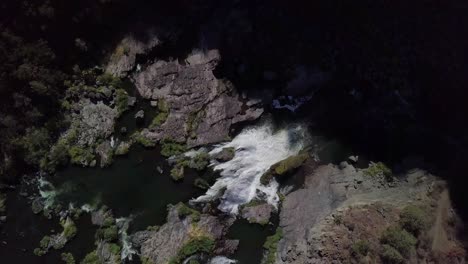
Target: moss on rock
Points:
x,y
284,166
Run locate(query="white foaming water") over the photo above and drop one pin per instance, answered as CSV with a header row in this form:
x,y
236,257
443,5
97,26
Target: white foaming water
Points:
x,y
47,192
256,149
221,260
127,249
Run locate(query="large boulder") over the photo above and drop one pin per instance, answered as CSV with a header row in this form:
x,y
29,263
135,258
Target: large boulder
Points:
x,y
199,103
163,245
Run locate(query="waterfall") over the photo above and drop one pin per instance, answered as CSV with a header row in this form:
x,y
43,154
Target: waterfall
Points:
x,y
256,149
47,192
127,250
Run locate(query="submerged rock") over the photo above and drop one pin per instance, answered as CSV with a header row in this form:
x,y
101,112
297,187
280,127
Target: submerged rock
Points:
x,y
259,214
225,154
140,115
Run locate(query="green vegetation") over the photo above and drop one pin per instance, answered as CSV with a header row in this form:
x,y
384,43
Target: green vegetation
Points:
x,y
80,155
145,260
154,228
201,183
177,173
162,115
115,249
193,261
414,219
44,243
68,258
253,203
271,246
141,139
283,167
91,258
109,233
121,101
39,252
377,169
122,149
193,121
390,255
201,244
69,228
399,239
35,144
200,161
183,211
171,148
361,248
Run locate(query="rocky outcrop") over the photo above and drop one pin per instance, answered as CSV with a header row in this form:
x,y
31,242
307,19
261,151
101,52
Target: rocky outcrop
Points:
x,y
162,245
328,190
123,58
201,108
259,214
105,152
96,120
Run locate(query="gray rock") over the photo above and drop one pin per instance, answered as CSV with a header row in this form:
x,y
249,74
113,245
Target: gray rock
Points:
x,y
225,154
227,247
259,214
105,254
123,130
3,218
123,59
105,152
140,114
98,217
154,103
37,205
94,121
138,238
353,159
131,101
198,102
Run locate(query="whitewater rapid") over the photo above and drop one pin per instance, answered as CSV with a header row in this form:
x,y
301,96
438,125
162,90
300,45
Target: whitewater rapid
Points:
x,y
256,149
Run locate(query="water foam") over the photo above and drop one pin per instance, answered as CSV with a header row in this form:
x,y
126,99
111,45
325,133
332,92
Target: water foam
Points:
x,y
256,149
222,260
127,248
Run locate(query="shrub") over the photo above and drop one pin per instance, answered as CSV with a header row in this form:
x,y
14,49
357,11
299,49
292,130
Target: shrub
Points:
x,y
177,173
114,249
398,238
195,245
170,148
138,137
361,248
390,255
183,211
44,243
376,169
69,228
284,166
200,161
110,233
35,144
39,252
121,101
80,155
161,117
91,258
414,219
271,245
68,258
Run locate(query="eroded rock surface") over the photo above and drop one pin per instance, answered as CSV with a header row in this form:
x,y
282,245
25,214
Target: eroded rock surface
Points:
x,y
308,213
161,246
201,107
